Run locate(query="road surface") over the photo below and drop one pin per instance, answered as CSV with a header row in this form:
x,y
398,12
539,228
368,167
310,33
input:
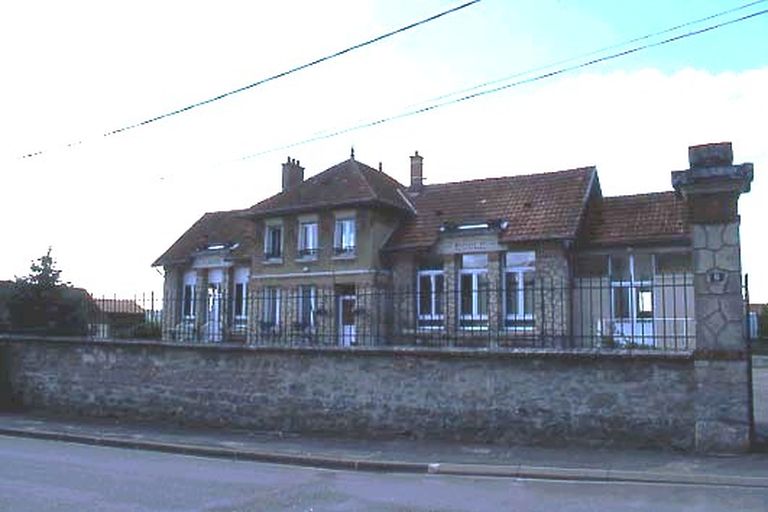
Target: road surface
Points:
x,y
38,475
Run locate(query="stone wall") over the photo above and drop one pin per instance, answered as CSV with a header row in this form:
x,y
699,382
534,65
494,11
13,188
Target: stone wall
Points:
x,y
548,398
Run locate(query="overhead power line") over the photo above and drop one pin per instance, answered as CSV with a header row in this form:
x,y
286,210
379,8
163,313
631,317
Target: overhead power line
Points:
x,y
601,50
276,76
485,92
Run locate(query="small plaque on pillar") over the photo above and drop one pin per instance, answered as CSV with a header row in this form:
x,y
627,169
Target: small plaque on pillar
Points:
x,y
715,276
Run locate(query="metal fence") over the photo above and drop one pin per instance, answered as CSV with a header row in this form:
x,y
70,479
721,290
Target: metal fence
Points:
x,y
578,313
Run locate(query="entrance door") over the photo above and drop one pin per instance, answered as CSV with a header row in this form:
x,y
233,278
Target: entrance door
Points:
x,y
347,333
213,320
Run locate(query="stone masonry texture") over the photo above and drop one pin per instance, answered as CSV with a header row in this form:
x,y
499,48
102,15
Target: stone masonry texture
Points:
x,y
546,398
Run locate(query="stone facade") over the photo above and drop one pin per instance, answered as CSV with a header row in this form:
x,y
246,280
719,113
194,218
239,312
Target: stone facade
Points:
x,y
548,398
723,400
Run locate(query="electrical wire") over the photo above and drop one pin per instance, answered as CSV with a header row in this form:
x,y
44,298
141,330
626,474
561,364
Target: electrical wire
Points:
x,y
274,77
550,74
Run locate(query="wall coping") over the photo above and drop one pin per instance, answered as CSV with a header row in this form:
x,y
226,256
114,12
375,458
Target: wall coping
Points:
x,y
394,351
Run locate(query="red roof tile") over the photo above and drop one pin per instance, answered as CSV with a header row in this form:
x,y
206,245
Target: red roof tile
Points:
x,y
347,183
229,228
537,207
126,306
621,220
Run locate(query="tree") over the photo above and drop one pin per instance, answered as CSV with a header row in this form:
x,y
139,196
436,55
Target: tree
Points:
x,y
42,303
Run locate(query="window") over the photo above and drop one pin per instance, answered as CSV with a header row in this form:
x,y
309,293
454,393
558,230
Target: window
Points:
x,y
674,262
344,236
308,239
188,296
519,282
240,306
306,306
631,285
188,309
430,286
273,242
473,291
592,266
270,314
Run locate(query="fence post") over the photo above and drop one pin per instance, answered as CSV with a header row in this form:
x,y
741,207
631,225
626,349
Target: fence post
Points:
x,y
711,188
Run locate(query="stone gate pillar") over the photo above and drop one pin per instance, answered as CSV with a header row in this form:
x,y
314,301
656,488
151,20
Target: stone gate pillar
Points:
x,y
712,187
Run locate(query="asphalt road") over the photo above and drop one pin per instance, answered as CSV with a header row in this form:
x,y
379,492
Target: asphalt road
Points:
x,y
52,476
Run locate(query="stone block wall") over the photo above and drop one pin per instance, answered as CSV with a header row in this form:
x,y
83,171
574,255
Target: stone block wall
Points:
x,y
552,297
540,397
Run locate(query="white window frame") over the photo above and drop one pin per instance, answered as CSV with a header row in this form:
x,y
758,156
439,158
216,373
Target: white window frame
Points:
x,y
431,316
308,239
519,272
345,236
475,315
273,253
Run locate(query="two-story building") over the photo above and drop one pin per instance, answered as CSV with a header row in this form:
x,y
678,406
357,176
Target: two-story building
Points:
x,y
351,256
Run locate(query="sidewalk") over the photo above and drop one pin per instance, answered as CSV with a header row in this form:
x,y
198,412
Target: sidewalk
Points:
x,y
401,455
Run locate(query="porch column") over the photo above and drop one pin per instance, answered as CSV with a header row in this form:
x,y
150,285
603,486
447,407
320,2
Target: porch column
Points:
x,y
722,405
172,293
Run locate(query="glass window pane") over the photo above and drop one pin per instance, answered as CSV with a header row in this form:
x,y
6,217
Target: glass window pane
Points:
x,y
511,293
525,259
425,295
474,261
620,268
673,262
643,268
592,266
439,294
482,290
239,296
466,294
621,302
644,303
528,292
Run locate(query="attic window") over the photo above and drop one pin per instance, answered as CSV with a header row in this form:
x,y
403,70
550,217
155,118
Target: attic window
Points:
x,y
216,247
480,225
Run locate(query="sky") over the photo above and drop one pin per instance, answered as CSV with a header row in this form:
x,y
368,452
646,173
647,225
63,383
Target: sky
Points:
x,y
109,206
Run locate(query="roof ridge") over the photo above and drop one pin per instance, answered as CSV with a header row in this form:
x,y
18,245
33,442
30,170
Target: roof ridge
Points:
x,y
514,176
643,194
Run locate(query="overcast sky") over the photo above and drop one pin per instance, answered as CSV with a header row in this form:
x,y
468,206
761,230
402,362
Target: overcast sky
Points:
x,y
110,205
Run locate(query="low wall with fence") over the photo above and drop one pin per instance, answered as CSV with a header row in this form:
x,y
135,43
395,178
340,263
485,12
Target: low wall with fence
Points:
x,y
546,397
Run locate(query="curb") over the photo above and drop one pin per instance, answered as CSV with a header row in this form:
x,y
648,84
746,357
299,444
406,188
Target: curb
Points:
x,y
439,468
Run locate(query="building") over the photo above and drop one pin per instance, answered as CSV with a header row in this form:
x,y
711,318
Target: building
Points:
x,y
114,318
350,256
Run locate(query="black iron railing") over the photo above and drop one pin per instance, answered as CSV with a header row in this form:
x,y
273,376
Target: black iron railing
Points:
x,y
594,313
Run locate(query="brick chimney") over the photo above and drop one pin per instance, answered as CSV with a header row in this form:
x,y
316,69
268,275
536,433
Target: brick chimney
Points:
x,y
417,173
293,174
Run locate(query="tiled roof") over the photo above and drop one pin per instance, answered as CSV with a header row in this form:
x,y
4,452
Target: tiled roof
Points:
x,y
227,228
659,216
537,207
347,183
127,306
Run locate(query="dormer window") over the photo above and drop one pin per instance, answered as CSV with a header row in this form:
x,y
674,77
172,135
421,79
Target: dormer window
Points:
x,y
467,227
344,236
273,242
